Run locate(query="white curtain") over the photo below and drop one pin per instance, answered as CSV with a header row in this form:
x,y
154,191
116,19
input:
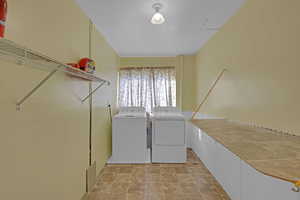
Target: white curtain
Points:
x,y
147,87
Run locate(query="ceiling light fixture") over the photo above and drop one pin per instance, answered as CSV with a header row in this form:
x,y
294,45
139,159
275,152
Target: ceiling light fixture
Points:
x,y
157,18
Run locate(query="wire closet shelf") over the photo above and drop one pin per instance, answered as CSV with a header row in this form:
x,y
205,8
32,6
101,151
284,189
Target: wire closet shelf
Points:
x,y
10,51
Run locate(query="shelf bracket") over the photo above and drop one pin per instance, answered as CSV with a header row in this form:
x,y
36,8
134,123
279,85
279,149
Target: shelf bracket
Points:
x,y
90,94
19,103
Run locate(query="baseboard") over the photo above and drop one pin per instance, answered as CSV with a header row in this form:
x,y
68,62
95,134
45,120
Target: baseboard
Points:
x,y
85,196
91,180
90,177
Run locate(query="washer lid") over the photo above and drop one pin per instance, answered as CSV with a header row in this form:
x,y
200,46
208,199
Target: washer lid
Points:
x,y
131,115
168,115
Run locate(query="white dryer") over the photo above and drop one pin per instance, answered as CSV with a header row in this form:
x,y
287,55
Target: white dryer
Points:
x,y
129,136
168,136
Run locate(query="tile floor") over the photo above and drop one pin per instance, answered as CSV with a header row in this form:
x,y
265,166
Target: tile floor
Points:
x,y
190,181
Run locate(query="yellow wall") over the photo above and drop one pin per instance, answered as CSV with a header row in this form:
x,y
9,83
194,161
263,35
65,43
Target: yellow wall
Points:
x,y
44,147
184,66
188,83
260,48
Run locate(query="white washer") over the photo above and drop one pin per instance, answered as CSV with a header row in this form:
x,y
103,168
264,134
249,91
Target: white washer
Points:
x,y
168,136
129,136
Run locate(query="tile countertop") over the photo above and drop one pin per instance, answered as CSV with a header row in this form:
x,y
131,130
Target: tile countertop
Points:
x,y
273,154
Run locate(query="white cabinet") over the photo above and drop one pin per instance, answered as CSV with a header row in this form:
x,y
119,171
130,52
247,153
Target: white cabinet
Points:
x,y
210,152
227,171
196,140
257,186
223,164
239,180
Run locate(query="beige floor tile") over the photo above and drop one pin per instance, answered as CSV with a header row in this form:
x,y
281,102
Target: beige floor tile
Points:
x,y
189,181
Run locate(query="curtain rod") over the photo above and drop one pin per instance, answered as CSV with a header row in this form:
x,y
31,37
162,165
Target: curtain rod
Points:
x,y
161,67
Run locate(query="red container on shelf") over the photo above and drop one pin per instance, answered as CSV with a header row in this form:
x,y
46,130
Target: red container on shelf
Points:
x,y
87,65
3,13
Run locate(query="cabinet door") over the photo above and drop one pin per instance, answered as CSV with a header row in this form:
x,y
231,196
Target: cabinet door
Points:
x,y
227,171
212,155
189,131
256,186
197,142
208,149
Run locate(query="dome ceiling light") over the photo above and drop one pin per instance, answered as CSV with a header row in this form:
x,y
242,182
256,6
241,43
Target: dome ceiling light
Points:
x,y
157,18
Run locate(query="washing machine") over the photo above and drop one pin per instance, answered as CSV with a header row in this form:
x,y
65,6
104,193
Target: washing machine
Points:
x,y
168,136
129,136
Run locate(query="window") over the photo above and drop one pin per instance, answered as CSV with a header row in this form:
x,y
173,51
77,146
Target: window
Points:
x,y
147,87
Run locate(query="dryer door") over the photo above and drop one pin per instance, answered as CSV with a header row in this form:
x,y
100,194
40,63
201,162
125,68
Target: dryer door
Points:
x,y
169,132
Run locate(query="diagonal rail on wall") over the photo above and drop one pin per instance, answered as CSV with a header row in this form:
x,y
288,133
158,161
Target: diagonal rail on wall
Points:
x,y
209,92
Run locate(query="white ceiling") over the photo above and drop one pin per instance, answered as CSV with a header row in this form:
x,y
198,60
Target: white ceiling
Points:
x,y
189,24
